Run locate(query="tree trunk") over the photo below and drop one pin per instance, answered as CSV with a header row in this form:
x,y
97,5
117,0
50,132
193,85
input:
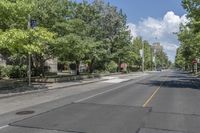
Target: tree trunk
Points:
x,y
77,67
119,65
91,67
42,63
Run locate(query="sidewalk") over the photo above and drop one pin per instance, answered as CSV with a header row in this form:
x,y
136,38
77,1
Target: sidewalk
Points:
x,y
41,87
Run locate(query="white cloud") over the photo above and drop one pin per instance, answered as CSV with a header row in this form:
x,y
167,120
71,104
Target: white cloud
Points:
x,y
132,28
161,30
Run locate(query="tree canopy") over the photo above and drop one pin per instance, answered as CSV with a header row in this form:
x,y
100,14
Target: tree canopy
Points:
x,y
93,33
189,36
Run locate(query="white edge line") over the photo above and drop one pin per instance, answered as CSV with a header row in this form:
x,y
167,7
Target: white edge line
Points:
x,y
83,99
2,127
95,95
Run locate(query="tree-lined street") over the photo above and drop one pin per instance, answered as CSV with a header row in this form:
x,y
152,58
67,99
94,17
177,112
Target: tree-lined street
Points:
x,y
162,102
187,56
94,35
78,66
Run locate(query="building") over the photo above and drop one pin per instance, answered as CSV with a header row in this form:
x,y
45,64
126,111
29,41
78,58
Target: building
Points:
x,y
157,47
52,64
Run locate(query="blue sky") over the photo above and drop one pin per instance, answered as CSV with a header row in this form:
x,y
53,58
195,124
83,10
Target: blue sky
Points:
x,y
154,20
139,9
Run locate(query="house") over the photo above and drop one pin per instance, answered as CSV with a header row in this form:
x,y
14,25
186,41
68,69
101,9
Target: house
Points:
x,y
52,64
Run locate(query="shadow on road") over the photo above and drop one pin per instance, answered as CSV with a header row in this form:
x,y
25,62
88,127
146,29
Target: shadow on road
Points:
x,y
176,82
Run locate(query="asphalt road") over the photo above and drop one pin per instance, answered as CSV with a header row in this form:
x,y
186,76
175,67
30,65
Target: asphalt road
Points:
x,y
162,102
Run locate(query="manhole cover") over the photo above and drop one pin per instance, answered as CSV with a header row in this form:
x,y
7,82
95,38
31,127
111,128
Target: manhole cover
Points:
x,y
25,112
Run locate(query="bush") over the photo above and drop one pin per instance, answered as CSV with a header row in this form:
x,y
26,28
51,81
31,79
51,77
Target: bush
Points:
x,y
5,72
125,71
14,71
1,70
72,66
111,67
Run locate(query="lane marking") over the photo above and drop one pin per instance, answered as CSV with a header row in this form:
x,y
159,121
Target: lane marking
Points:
x,y
120,79
83,99
154,93
115,80
151,97
2,127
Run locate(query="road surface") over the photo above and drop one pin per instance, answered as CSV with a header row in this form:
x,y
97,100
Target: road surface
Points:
x,y
160,102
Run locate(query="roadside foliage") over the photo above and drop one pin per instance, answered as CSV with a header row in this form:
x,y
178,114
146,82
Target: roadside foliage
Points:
x,y
95,34
189,36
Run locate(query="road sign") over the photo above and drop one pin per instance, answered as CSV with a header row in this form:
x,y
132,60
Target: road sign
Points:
x,y
33,23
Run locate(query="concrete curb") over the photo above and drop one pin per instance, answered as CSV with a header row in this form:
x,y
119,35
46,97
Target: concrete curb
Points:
x,y
62,87
43,90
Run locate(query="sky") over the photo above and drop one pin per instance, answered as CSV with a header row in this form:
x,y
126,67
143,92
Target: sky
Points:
x,y
154,20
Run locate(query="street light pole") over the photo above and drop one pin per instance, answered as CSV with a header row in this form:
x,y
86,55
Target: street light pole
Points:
x,y
29,55
143,57
29,69
151,50
155,59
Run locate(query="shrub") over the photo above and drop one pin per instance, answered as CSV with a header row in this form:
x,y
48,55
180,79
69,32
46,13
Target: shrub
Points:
x,y
111,67
72,66
1,71
14,71
6,71
125,71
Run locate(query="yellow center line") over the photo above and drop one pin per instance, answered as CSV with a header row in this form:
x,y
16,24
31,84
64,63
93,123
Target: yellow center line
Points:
x,y
154,93
151,97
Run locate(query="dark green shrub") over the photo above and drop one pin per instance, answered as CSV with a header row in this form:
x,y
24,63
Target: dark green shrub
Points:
x,y
14,71
1,70
6,71
72,66
111,67
125,71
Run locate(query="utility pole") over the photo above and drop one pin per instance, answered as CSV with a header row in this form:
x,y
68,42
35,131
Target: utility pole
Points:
x,y
143,57
155,64
155,59
151,50
29,55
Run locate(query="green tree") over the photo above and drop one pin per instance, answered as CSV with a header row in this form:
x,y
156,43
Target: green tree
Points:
x,y
113,32
189,36
72,43
147,55
25,41
137,45
14,14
